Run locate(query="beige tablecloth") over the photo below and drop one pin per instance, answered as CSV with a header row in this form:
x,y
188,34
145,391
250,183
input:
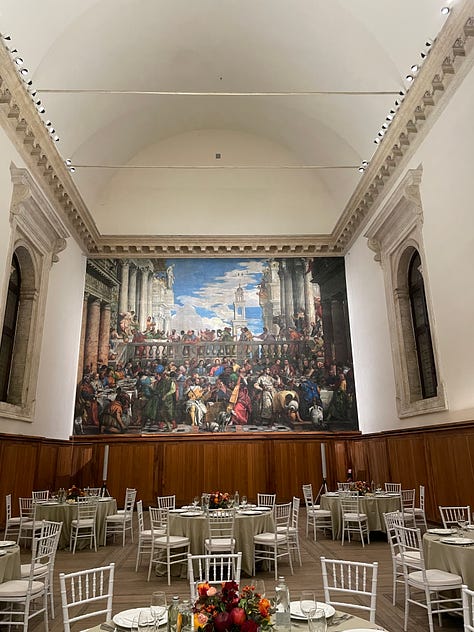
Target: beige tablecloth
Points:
x,y
373,505
10,563
353,623
66,513
450,557
195,528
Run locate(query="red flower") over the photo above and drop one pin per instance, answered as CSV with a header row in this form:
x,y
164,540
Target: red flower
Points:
x,y
249,626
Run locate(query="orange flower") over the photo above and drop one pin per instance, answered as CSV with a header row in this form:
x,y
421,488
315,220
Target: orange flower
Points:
x,y
264,607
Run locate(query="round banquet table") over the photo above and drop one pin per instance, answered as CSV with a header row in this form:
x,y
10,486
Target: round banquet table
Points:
x,y
246,526
373,505
454,558
66,512
352,623
10,563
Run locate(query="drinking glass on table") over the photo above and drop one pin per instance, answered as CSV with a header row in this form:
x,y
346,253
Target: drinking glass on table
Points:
x,y
243,501
196,501
462,524
308,603
259,587
157,606
317,621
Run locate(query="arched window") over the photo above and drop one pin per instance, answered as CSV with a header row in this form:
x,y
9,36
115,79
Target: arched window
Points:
x,y
9,327
421,328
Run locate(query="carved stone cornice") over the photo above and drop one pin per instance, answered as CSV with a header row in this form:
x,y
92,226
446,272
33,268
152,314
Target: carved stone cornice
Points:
x,y
446,65
23,125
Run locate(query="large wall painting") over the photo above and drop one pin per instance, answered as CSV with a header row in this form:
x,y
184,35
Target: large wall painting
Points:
x,y
215,345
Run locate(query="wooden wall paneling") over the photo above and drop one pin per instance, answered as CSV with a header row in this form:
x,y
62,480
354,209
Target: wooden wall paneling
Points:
x,y
378,461
342,461
183,470
451,468
359,460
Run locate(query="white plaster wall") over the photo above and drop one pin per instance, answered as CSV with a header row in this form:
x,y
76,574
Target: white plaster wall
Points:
x,y
58,363
448,233
60,346
215,202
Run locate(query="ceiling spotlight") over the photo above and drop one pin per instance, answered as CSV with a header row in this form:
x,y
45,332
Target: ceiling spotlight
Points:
x,y
48,123
72,169
68,162
56,138
423,55
38,102
52,131
361,170
6,37
409,78
365,163
34,93
29,83
376,141
41,110
389,117
402,93
381,133
415,68
445,10
24,71
428,43
384,126
18,61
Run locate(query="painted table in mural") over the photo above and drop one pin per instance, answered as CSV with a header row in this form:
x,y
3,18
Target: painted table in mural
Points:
x,y
373,505
9,561
246,526
66,512
447,553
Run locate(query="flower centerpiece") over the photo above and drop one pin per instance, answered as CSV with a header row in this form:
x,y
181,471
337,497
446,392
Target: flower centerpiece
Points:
x,y
231,610
219,500
73,492
360,486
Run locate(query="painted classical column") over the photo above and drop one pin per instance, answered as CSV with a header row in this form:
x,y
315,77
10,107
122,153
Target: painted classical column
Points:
x,y
143,305
309,310
288,296
281,274
150,293
82,341
123,303
91,351
298,286
104,333
132,289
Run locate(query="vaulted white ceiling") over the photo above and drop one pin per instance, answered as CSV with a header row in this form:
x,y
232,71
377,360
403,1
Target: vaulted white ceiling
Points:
x,y
78,53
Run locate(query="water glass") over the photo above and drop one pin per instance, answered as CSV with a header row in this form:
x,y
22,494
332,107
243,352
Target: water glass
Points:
x,y
243,501
308,603
259,587
317,621
157,606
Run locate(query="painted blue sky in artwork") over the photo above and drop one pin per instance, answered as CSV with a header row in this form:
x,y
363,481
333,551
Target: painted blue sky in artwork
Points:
x,y
204,291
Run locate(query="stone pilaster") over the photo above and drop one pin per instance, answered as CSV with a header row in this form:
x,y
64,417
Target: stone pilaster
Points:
x,y
123,304
82,341
104,333
132,289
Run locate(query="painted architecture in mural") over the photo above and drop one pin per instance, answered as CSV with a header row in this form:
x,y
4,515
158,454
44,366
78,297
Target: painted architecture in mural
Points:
x,y
215,345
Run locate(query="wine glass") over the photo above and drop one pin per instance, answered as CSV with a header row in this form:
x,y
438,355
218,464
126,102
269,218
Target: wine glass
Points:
x,y
259,587
196,501
308,603
243,501
317,621
157,606
462,524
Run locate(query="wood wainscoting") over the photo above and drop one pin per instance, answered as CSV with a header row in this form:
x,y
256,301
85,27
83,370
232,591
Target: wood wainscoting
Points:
x,y
440,457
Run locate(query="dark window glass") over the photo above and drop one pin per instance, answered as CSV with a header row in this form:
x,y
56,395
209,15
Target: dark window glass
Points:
x,y
9,328
421,329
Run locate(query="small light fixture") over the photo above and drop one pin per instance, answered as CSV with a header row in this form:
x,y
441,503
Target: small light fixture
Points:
x,y
24,71
376,141
361,170
18,61
72,169
56,138
445,10
409,78
415,68
5,37
365,163
423,55
41,109
68,162
48,123
428,43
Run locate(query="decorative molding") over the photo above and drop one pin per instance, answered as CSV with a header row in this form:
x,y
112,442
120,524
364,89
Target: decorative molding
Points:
x,y
448,62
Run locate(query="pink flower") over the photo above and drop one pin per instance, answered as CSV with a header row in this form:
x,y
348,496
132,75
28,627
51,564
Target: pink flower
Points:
x,y
201,619
211,591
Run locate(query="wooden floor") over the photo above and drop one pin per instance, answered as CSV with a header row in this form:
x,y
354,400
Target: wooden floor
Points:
x,y
131,589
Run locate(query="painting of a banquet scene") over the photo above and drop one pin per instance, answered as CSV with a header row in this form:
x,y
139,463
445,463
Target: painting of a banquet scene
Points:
x,y
215,345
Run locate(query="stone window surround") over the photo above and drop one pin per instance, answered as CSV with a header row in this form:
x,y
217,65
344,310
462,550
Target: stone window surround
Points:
x,y
37,236
395,235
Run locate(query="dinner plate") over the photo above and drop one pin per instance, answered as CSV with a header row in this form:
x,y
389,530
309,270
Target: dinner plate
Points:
x,y
5,543
192,514
295,610
251,512
440,531
178,511
262,508
331,494
461,541
125,619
